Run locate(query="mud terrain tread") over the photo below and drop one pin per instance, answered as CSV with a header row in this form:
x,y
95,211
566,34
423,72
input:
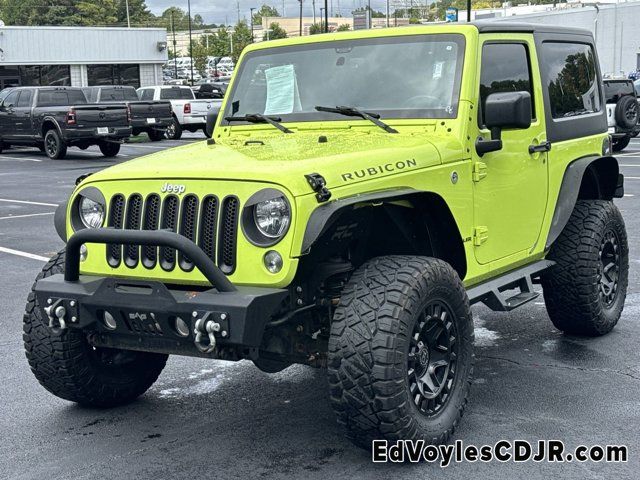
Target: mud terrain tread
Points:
x,y
570,286
367,365
61,365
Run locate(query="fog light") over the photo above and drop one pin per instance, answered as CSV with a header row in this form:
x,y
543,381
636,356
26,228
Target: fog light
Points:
x,y
83,252
109,321
273,261
181,327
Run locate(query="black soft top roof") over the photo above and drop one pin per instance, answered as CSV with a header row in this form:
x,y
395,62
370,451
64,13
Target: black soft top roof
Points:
x,y
513,27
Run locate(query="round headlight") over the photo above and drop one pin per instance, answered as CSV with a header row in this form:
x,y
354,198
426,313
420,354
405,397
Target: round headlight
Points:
x,y
91,213
272,217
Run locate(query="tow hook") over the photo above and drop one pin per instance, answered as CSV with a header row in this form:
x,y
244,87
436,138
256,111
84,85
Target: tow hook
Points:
x,y
206,328
60,311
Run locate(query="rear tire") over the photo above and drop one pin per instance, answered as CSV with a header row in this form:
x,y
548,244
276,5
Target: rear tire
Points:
x,y
54,146
174,130
109,149
626,113
70,368
586,289
620,144
401,351
155,135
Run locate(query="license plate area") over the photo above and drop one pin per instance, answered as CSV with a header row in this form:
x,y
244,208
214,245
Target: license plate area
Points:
x,y
151,121
103,130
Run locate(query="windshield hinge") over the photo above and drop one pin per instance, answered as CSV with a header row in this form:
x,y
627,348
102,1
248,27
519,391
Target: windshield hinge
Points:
x,y
479,171
318,185
480,235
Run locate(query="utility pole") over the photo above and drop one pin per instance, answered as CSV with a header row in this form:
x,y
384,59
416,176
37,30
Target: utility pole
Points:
x,y
468,10
313,5
128,18
251,13
326,17
369,8
300,17
190,40
387,13
238,8
175,54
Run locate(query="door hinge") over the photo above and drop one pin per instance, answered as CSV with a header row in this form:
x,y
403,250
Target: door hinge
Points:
x,y
479,171
480,235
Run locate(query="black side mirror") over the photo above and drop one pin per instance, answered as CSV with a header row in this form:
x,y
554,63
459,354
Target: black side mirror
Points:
x,y
509,110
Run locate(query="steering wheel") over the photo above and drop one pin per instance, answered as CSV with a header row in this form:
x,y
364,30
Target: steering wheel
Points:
x,y
422,101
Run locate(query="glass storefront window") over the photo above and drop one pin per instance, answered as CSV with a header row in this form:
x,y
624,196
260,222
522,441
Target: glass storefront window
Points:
x,y
36,75
117,74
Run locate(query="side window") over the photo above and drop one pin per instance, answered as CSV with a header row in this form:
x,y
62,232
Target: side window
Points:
x,y
12,98
571,79
505,68
25,98
146,94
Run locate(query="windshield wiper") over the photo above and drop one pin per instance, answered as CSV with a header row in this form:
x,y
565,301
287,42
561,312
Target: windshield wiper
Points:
x,y
354,112
259,118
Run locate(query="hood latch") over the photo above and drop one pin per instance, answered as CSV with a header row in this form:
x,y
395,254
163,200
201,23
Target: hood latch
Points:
x,y
319,185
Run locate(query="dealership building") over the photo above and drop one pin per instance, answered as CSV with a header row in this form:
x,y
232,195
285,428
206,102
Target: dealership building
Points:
x,y
81,56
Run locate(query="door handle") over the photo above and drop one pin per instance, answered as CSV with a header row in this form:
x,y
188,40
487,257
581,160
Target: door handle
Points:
x,y
541,147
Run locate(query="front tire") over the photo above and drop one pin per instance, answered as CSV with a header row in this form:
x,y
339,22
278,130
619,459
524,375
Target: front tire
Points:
x,y
401,351
619,144
109,149
70,368
54,146
586,289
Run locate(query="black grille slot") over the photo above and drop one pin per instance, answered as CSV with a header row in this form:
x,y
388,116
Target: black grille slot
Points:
x,y
134,215
116,217
150,222
208,223
228,235
188,225
169,222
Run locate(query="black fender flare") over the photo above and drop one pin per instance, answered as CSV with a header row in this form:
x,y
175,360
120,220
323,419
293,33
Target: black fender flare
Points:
x,y
50,119
60,220
325,215
606,176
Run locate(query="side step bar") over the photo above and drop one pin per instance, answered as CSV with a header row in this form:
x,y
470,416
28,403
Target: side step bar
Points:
x,y
493,293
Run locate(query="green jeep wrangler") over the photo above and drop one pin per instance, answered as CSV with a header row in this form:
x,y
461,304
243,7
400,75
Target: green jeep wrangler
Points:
x,y
346,217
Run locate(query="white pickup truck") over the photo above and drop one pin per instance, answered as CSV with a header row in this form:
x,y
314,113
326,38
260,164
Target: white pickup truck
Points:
x,y
189,113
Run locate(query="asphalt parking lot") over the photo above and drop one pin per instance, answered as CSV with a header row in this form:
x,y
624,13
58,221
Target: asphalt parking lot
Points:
x,y
206,419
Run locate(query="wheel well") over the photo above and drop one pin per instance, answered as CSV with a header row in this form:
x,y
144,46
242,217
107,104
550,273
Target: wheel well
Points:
x,y
412,224
48,125
599,180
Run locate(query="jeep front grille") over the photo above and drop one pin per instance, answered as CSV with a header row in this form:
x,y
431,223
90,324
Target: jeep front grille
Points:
x,y
212,224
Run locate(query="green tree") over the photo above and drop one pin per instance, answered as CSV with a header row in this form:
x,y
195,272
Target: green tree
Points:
x,y
264,11
139,14
221,45
199,55
344,27
275,32
241,38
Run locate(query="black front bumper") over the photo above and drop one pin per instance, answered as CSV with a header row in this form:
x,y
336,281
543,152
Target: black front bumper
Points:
x,y
145,312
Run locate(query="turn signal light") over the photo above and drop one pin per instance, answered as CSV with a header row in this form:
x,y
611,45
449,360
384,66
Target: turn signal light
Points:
x,y
187,108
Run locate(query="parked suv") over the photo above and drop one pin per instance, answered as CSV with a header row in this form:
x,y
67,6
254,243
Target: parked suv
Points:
x,y
149,116
623,111
55,118
342,225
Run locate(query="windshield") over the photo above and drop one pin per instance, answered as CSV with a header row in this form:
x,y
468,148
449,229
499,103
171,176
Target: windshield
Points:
x,y
414,76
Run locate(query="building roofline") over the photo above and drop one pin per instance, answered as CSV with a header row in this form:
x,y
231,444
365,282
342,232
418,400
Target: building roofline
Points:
x,y
59,27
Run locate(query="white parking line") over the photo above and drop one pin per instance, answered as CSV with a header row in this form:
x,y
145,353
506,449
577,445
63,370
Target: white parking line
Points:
x,y
23,254
25,216
159,147
28,203
631,178
22,159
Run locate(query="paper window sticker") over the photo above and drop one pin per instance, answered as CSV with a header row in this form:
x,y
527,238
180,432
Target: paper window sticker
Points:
x,y
282,90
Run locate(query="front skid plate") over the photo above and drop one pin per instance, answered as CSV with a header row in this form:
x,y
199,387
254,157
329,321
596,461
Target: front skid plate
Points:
x,y
145,312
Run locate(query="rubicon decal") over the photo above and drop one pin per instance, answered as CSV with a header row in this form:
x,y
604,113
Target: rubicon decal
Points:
x,y
379,170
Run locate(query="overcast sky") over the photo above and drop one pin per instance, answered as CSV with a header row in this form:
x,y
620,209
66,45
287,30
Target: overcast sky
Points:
x,y
219,11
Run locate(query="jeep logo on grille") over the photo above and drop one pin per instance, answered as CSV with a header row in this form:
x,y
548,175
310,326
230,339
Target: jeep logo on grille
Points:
x,y
173,188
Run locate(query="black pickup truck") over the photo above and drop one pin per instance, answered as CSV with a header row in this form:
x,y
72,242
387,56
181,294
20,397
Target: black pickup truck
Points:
x,y
54,118
150,116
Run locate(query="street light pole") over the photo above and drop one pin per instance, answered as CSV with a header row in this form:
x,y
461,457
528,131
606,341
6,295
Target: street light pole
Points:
x,y
175,54
468,10
128,18
190,40
326,17
300,17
